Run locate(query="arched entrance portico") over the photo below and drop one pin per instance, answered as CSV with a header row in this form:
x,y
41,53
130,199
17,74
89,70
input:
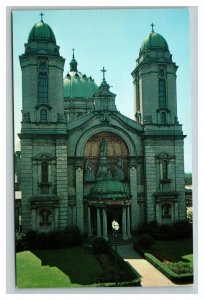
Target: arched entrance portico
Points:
x,y
108,200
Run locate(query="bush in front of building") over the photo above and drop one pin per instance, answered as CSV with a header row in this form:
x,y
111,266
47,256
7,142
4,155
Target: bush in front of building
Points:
x,y
183,229
21,241
178,230
145,241
100,245
55,239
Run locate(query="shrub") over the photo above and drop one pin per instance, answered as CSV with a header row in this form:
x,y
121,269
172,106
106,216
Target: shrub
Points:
x,y
54,240
147,228
100,245
190,215
180,229
165,232
145,241
21,242
183,229
180,267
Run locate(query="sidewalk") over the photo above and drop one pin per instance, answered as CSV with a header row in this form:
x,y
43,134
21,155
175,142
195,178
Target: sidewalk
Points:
x,y
151,277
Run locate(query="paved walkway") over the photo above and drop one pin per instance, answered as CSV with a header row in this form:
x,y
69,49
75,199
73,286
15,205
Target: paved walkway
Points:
x,y
150,275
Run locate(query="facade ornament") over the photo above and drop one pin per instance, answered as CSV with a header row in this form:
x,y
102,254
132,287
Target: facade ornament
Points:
x,y
89,173
103,168
104,117
103,148
43,156
165,155
119,172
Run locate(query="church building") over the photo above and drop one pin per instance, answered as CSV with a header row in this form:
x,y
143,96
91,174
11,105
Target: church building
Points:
x,y
84,164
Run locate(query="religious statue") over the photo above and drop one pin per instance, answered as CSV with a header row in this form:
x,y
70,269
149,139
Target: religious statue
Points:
x,y
89,173
119,172
103,148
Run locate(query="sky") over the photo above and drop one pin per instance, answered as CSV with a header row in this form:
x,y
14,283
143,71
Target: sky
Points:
x,y
112,38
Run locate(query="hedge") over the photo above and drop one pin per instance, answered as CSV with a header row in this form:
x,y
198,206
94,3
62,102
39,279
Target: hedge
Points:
x,y
176,278
126,278
163,268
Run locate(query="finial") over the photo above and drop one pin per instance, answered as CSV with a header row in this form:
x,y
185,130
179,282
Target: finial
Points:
x,y
41,14
103,70
152,27
73,53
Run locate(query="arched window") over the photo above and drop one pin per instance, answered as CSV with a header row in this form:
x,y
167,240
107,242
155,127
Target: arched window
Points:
x,y
163,118
44,172
162,93
43,115
42,83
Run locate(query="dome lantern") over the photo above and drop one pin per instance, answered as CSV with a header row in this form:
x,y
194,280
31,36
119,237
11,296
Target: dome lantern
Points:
x,y
73,63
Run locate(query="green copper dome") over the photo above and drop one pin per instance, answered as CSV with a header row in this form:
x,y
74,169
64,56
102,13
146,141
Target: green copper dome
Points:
x,y
41,31
154,41
78,85
109,189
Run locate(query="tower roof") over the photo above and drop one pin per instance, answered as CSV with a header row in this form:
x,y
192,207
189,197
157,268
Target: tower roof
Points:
x,y
154,41
41,31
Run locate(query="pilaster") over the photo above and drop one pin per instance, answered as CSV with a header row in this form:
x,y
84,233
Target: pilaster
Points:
x,y
61,169
79,198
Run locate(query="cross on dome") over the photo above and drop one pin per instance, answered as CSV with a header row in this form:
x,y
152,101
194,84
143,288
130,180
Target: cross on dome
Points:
x,y
152,27
103,71
41,14
73,53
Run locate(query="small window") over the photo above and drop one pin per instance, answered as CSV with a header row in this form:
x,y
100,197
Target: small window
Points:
x,y
163,118
43,115
44,172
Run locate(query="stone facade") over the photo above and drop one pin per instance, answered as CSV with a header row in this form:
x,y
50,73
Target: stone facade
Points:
x,y
63,159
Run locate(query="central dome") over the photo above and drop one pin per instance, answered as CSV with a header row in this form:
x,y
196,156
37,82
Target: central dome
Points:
x,y
78,85
154,41
109,189
41,31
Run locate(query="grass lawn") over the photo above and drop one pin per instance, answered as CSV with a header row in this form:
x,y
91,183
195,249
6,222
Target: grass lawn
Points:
x,y
176,250
72,267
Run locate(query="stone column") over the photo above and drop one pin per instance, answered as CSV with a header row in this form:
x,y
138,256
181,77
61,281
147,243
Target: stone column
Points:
x,y
105,233
79,199
134,205
124,224
89,222
128,222
98,222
